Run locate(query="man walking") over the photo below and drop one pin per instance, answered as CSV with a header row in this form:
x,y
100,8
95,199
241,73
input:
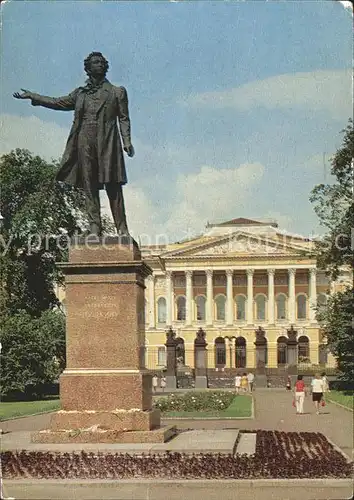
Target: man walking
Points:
x,y
250,378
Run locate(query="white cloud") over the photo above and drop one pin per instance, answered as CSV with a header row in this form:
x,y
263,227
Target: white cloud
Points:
x,y
347,5
46,139
209,194
330,91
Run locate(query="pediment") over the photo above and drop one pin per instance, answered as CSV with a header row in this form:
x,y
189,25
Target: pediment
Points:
x,y
239,243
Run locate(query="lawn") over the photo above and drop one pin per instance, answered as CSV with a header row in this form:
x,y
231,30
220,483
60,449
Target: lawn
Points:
x,y
241,406
23,408
341,398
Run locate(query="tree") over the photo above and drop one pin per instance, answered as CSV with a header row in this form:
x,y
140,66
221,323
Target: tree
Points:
x,y
39,215
33,351
334,205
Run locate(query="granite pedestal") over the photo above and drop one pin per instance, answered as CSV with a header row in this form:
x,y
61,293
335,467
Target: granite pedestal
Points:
x,y
105,387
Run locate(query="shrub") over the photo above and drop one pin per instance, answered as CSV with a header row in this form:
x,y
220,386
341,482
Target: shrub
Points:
x,y
195,401
33,352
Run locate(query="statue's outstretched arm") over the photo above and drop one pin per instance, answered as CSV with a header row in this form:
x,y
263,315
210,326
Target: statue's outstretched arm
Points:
x,y
63,103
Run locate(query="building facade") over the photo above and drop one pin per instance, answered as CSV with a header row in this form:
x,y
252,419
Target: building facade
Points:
x,y
252,287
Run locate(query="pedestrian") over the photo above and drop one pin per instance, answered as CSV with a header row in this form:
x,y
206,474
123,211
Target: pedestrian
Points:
x,y
244,382
250,378
163,383
300,392
317,391
237,383
325,384
155,382
288,383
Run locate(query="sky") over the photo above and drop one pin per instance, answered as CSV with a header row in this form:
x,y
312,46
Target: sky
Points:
x,y
236,107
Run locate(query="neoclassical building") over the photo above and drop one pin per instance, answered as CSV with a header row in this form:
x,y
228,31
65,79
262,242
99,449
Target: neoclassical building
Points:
x,y
238,277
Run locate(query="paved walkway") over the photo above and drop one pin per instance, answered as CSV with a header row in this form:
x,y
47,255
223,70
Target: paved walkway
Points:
x,y
273,410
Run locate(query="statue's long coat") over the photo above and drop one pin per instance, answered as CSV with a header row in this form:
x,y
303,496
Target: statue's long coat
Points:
x,y
114,105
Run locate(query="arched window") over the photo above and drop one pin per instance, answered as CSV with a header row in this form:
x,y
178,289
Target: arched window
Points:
x,y
281,306
181,308
303,350
220,352
282,350
200,302
240,307
161,356
260,307
301,303
180,351
240,352
220,302
161,310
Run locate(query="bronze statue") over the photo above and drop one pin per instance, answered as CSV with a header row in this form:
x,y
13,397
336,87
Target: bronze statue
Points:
x,y
93,157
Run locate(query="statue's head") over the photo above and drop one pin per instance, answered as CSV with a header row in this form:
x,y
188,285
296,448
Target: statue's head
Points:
x,y
95,64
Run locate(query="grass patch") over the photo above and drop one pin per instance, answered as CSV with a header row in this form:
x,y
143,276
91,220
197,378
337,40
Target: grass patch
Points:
x,y
341,398
23,408
241,406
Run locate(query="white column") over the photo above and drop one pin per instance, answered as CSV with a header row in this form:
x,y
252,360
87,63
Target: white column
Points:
x,y
168,298
292,307
312,295
210,298
250,296
189,296
151,292
229,297
271,273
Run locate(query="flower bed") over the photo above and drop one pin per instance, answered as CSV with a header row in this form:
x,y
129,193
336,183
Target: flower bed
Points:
x,y
195,401
278,455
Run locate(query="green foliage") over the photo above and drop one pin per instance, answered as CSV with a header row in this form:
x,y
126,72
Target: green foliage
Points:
x,y
33,351
334,205
337,323
195,401
40,215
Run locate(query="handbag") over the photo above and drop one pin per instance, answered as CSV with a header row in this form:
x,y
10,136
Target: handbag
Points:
x,y
323,402
294,404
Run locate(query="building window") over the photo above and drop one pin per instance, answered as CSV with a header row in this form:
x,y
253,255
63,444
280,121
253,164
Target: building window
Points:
x,y
161,356
261,307
200,302
282,350
161,310
240,352
281,306
181,308
241,307
220,352
301,302
220,302
303,350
